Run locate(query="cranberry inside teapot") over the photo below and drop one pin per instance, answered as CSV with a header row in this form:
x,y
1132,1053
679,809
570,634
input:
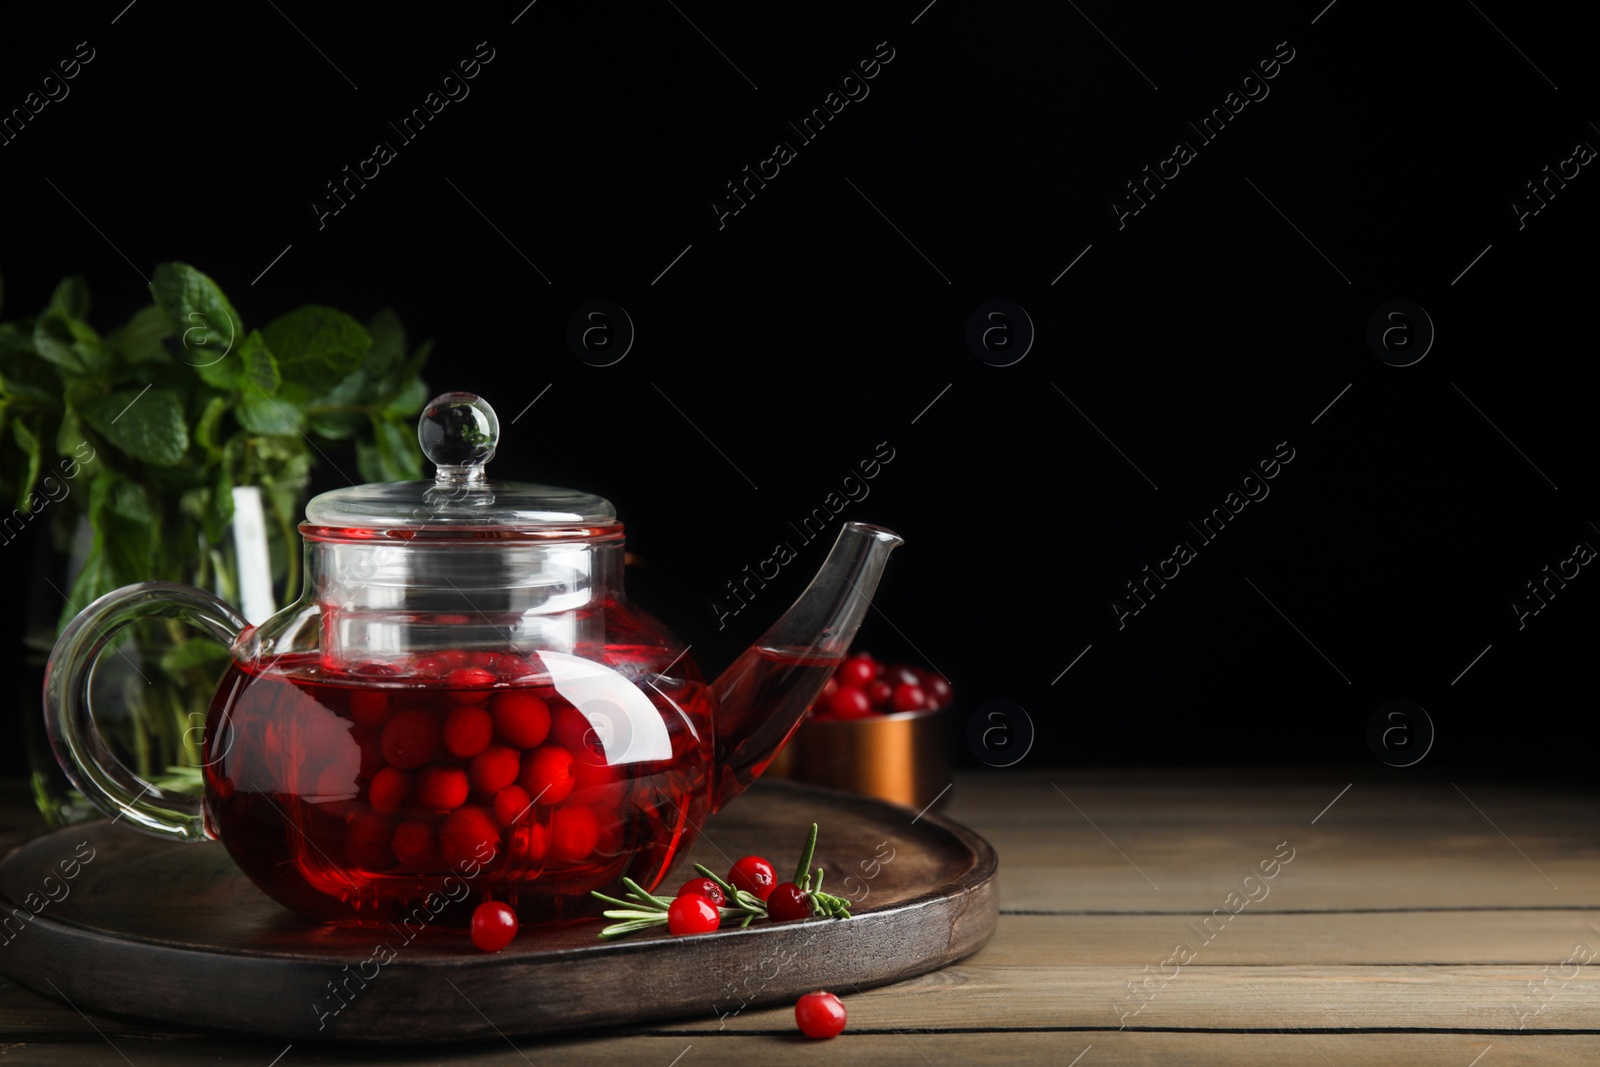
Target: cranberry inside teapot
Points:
x,y
481,775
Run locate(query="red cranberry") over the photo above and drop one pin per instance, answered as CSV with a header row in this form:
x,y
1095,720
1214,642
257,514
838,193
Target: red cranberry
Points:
x,y
412,737
529,842
512,805
572,730
547,774
468,834
908,698
754,875
369,707
493,769
441,788
574,833
369,742
692,913
819,1015
416,847
510,667
706,888
937,688
467,731
521,718
879,693
389,790
857,670
493,926
366,842
788,901
850,702
467,685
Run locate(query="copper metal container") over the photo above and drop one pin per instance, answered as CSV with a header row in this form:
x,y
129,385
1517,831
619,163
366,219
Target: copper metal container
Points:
x,y
898,757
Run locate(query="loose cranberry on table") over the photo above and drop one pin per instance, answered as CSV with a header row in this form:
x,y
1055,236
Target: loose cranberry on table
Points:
x,y
755,876
691,913
493,926
819,1015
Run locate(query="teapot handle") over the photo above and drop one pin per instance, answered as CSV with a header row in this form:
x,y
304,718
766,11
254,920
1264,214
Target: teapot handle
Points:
x,y
69,718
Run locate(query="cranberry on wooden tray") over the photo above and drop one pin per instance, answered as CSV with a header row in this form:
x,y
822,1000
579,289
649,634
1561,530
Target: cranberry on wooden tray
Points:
x,y
692,913
754,875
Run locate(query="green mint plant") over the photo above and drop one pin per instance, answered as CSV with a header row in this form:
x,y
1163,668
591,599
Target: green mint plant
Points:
x,y
145,430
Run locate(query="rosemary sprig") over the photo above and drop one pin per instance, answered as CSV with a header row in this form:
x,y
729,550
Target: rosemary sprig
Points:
x,y
639,910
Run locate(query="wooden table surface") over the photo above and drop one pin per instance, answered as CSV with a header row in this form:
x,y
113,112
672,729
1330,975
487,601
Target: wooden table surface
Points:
x,y
1405,921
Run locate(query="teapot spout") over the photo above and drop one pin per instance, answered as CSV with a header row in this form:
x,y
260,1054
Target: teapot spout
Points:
x,y
763,694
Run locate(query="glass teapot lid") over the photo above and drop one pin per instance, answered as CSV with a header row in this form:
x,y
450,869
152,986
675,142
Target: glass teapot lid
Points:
x,y
458,433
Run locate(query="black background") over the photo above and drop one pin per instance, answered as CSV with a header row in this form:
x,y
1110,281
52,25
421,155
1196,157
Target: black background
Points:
x,y
827,315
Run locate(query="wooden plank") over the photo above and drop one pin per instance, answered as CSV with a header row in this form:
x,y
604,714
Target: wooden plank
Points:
x,y
858,1048
1208,997
1182,844
1477,938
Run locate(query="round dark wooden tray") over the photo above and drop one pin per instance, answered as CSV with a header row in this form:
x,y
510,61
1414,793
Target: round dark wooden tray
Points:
x,y
174,933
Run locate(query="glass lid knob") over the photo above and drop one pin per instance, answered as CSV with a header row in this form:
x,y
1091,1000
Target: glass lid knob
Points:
x,y
458,433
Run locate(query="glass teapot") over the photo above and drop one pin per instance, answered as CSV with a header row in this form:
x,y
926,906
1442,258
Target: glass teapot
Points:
x,y
461,697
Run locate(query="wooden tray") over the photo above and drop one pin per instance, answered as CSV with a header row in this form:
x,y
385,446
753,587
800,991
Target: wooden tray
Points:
x,y
174,933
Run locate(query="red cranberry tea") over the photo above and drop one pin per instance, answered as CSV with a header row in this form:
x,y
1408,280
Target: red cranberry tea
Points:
x,y
348,796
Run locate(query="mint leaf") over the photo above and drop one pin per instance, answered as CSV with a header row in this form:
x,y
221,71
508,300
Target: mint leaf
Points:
x,y
23,374
205,430
140,340
71,297
28,441
409,400
69,437
217,517
68,343
195,652
258,371
261,414
316,348
393,456
126,532
388,345
149,427
199,315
